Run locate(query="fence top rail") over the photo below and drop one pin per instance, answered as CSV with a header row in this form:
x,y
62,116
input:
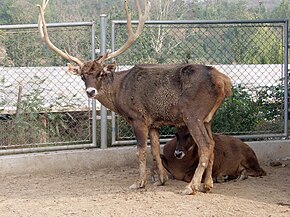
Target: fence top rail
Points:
x,y
30,26
204,21
72,24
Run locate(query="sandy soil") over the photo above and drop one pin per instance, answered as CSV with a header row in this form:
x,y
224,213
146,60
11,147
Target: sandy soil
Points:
x,y
105,192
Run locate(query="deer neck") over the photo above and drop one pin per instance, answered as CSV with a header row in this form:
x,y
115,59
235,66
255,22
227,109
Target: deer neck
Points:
x,y
105,93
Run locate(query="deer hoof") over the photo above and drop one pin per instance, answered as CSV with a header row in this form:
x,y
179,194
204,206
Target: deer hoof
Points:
x,y
153,178
241,177
207,188
157,183
161,181
187,191
221,179
138,185
163,178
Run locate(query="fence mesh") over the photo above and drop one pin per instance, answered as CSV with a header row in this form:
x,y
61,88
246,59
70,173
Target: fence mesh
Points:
x,y
251,54
39,102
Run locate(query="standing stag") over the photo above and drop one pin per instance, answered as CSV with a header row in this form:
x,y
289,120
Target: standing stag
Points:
x,y
151,96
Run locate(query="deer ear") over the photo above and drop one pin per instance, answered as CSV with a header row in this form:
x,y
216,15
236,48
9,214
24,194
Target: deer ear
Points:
x,y
110,68
187,70
75,70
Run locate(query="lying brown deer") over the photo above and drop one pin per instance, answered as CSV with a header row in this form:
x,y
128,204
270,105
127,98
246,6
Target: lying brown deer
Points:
x,y
233,159
151,96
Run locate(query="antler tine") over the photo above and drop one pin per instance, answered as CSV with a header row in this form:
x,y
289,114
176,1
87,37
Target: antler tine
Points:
x,y
44,4
40,28
131,35
44,35
142,17
129,17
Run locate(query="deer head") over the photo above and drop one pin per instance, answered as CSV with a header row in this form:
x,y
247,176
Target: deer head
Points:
x,y
184,143
92,72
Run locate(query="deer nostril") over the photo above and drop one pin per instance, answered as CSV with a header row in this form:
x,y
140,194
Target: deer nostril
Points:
x,y
178,154
91,92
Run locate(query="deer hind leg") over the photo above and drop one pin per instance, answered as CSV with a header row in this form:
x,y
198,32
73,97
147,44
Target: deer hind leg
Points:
x,y
155,150
220,89
153,170
208,181
205,145
141,134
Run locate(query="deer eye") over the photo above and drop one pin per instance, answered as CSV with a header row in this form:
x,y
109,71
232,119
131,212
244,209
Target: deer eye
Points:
x,y
83,77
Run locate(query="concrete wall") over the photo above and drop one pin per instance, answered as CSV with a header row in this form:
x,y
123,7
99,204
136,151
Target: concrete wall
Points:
x,y
90,159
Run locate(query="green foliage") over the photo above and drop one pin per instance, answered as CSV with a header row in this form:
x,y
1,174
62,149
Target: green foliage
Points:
x,y
282,10
222,10
25,49
34,123
238,113
249,48
68,126
206,44
239,9
243,112
264,48
270,100
5,13
25,11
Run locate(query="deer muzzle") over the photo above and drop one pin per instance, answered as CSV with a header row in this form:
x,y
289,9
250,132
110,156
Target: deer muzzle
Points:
x,y
91,92
179,154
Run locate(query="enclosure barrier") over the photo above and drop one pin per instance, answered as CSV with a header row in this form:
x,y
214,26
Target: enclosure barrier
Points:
x,y
41,106
253,53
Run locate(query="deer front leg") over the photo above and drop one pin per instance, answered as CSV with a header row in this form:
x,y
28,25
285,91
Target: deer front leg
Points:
x,y
155,150
141,134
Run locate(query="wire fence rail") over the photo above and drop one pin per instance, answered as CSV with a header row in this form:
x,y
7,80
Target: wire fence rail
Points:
x,y
44,108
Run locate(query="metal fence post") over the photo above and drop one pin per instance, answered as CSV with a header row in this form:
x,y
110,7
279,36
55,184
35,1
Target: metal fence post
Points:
x,y
286,108
104,122
113,121
94,104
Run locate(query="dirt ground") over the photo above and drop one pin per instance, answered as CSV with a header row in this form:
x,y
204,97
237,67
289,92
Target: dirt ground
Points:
x,y
105,192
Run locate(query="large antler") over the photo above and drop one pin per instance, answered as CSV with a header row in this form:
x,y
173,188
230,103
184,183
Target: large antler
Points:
x,y
132,36
44,35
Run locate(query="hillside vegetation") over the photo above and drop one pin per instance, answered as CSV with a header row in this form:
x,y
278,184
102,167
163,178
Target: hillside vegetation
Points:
x,y
25,11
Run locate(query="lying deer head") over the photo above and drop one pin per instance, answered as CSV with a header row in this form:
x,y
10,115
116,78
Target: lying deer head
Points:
x,y
92,71
184,144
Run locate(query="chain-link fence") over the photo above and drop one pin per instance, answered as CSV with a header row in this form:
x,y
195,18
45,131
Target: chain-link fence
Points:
x,y
40,104
253,54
